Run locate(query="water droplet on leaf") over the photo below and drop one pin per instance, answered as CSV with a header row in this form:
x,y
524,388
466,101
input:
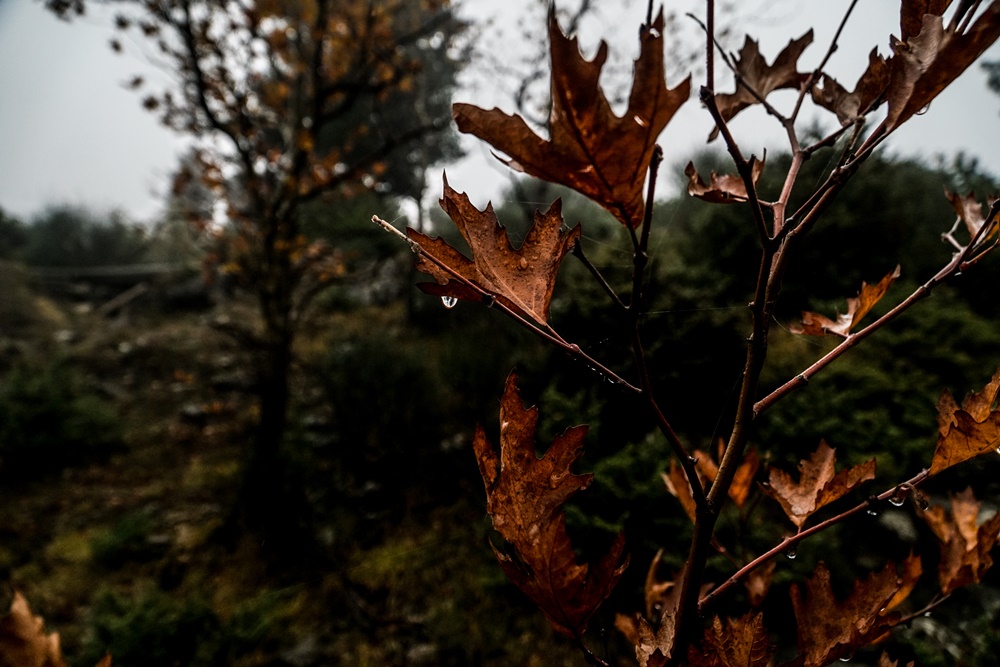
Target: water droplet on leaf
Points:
x,y
449,301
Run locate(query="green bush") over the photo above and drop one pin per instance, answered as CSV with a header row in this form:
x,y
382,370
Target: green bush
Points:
x,y
48,422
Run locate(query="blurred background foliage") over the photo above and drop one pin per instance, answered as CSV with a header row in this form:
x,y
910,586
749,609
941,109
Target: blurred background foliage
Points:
x,y
122,430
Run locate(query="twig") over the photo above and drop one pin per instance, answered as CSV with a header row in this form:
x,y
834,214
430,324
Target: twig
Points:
x,y
595,272
546,333
958,263
792,540
811,81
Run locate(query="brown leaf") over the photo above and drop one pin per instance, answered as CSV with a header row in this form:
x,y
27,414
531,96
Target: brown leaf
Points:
x,y
828,629
925,62
814,324
589,149
885,661
965,545
654,646
524,498
913,568
967,432
867,93
761,77
968,210
677,483
818,485
23,642
758,582
678,486
911,15
741,642
523,279
725,189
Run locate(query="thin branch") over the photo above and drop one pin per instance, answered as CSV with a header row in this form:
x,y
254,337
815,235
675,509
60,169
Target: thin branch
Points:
x,y
792,540
961,261
595,272
826,58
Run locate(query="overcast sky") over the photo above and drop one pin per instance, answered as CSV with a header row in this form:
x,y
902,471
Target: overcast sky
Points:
x,y
70,133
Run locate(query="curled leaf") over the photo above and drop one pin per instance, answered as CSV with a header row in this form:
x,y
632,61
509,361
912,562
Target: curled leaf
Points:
x,y
965,544
818,484
525,495
968,210
867,93
522,279
590,148
725,189
925,62
814,324
967,432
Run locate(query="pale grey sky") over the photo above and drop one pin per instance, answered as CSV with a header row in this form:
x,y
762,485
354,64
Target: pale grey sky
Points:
x,y
70,133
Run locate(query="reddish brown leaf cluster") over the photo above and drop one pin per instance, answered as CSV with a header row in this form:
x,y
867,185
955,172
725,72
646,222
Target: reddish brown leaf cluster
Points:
x,y
965,544
523,279
967,431
524,498
589,148
818,485
969,211
867,93
814,324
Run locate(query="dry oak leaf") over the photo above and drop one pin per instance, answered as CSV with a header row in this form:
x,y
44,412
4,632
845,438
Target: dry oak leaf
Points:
x,y
725,189
654,647
828,629
968,431
867,93
590,148
524,498
23,642
965,545
814,324
762,78
522,279
969,211
911,15
741,642
818,484
926,62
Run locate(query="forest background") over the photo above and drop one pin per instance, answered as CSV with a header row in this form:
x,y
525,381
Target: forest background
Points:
x,y
125,412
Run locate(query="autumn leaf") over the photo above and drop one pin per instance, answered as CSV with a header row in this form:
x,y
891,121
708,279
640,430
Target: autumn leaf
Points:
x,y
968,210
912,570
23,642
814,324
677,484
818,484
927,60
741,642
654,646
885,661
590,148
725,189
523,279
524,498
761,78
867,93
965,545
829,629
967,432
